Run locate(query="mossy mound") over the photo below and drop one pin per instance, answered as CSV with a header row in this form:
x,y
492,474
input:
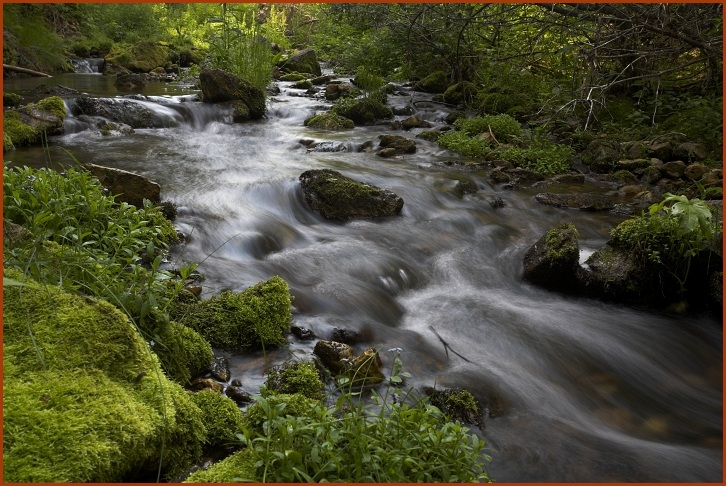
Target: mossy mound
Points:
x,y
329,121
257,318
305,61
141,58
85,399
183,352
221,416
436,82
239,467
553,260
297,377
363,111
463,93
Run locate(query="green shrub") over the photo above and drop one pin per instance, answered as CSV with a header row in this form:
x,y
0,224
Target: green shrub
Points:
x,y
296,377
221,417
256,318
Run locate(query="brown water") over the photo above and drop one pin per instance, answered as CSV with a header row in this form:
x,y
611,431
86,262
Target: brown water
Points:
x,y
585,391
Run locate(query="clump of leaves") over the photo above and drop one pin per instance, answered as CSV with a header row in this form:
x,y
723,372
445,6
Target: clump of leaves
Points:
x,y
672,233
503,127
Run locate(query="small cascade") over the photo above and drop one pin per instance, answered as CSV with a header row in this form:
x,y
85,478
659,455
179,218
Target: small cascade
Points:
x,y
91,65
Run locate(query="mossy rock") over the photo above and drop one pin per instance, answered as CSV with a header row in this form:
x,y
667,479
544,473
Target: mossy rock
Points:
x,y
552,262
222,417
303,84
183,352
456,404
329,121
436,82
220,86
337,197
463,93
304,61
293,77
430,135
141,58
29,124
85,398
12,99
239,467
256,318
363,111
296,377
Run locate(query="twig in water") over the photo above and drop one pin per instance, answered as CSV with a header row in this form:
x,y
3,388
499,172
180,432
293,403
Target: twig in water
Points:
x,y
447,347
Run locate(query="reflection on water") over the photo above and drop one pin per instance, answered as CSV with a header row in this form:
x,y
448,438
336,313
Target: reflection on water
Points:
x,y
580,390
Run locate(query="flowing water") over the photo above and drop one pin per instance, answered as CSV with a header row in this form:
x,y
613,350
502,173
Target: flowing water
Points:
x,y
580,390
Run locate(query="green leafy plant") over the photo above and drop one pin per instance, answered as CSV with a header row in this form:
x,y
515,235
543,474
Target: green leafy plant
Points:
x,y
673,232
543,156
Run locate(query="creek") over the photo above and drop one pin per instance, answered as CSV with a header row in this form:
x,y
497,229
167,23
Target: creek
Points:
x,y
580,390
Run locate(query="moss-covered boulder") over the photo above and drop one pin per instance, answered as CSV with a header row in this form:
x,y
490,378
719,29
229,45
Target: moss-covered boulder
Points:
x,y
363,111
338,197
463,93
456,404
401,145
553,261
220,86
140,58
239,467
126,111
29,124
305,61
222,418
602,155
296,377
436,82
85,399
256,318
336,90
183,352
329,121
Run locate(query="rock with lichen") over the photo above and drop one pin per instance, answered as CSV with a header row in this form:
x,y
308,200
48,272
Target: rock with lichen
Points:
x,y
553,261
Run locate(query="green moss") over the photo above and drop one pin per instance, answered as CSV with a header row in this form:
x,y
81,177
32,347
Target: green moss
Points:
x,y
303,84
221,416
239,467
85,399
329,121
293,77
435,82
183,352
11,99
297,377
53,104
362,110
456,404
430,135
7,143
256,318
561,242
20,133
461,93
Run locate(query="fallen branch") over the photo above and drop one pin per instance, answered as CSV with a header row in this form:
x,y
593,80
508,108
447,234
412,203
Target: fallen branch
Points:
x,y
8,67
